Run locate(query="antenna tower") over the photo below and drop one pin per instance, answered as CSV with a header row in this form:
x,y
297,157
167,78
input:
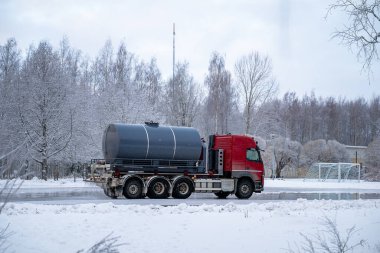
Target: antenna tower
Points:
x,y
173,56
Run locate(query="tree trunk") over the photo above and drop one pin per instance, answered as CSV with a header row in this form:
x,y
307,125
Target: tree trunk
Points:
x,y
248,119
44,169
279,168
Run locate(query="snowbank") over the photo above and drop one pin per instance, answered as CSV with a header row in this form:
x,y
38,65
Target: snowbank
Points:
x,y
266,227
284,207
323,185
50,183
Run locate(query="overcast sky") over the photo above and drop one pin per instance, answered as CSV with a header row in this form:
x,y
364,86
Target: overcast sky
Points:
x,y
293,33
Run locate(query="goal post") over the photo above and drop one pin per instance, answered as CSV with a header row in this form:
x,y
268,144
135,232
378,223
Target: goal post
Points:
x,y
334,171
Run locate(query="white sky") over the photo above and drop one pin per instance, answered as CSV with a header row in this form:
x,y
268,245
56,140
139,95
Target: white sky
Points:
x,y
294,33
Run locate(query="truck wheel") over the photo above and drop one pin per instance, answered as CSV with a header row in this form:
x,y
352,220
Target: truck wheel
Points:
x,y
133,189
182,189
158,189
222,195
244,189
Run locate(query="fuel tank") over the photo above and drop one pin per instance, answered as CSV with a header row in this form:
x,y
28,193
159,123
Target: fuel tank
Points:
x,y
151,141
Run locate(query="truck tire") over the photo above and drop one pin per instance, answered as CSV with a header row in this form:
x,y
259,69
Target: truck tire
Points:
x,y
158,189
222,195
182,189
133,189
244,189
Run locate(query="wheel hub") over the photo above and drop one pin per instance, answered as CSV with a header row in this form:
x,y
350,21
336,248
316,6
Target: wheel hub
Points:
x,y
183,188
133,189
158,188
244,189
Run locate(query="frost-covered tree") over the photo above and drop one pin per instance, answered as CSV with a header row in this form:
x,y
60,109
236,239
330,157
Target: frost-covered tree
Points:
x,y
46,119
374,117
104,88
50,94
372,160
312,116
148,80
10,136
286,154
323,151
292,116
70,63
182,99
255,79
221,95
271,121
76,75
358,118
351,122
122,88
104,65
147,93
332,119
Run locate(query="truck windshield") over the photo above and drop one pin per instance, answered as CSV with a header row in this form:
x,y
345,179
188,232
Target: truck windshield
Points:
x,y
253,155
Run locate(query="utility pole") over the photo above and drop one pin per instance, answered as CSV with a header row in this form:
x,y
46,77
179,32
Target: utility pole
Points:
x,y
173,58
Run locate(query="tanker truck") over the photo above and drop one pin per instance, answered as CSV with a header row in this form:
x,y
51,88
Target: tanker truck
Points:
x,y
154,161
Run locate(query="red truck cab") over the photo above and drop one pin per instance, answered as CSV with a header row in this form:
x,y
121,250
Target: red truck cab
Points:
x,y
242,159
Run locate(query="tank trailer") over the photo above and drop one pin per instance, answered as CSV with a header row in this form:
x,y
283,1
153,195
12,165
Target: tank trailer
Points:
x,y
162,161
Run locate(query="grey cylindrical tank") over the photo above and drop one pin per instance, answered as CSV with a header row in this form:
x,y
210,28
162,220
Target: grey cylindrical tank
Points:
x,y
151,141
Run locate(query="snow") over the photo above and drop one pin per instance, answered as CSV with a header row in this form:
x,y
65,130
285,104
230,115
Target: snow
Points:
x,y
265,227
50,183
297,184
217,226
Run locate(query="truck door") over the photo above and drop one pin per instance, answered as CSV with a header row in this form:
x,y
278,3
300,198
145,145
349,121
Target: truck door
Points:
x,y
254,161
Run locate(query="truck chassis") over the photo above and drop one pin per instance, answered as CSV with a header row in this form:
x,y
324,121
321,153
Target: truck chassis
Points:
x,y
136,179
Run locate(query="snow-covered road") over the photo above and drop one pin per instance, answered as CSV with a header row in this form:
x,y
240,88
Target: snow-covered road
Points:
x,y
95,195
67,191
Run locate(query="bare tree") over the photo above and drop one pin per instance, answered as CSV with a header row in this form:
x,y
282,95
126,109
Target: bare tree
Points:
x,y
362,31
4,235
14,166
254,77
329,240
108,244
